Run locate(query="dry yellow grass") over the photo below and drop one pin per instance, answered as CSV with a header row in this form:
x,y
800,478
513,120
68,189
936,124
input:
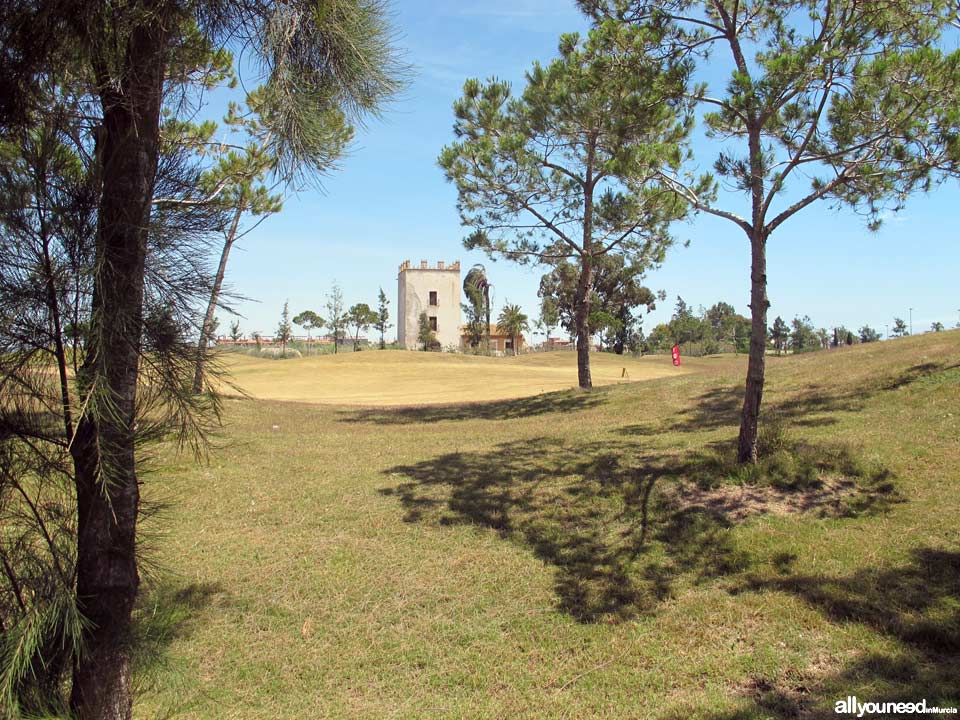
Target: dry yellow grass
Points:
x,y
418,378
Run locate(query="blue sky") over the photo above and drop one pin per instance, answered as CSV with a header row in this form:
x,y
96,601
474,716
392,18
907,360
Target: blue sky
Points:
x,y
389,202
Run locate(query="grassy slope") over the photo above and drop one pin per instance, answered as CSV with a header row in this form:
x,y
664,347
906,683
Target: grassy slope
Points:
x,y
415,378
530,558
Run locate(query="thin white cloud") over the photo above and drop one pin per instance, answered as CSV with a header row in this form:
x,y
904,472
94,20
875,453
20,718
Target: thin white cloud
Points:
x,y
533,14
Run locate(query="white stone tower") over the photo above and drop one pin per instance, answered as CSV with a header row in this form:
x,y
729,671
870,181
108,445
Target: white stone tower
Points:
x,y
435,291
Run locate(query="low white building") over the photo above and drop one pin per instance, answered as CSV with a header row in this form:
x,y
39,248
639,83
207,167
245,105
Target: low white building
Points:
x,y
434,291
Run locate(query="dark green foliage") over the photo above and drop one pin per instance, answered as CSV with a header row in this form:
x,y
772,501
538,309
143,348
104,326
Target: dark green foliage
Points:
x,y
617,293
514,322
803,337
780,335
309,320
476,287
425,335
868,334
361,317
899,328
715,330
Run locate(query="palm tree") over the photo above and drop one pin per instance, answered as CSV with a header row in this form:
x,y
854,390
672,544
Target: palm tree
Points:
x,y
477,289
513,322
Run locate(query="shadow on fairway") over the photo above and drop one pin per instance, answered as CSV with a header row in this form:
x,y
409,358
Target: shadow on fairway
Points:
x,y
721,407
620,526
167,612
915,605
559,402
591,511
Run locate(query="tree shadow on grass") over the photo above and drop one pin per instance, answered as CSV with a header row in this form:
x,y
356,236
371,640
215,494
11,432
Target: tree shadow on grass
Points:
x,y
591,511
818,406
721,407
166,612
622,528
915,605
920,372
559,402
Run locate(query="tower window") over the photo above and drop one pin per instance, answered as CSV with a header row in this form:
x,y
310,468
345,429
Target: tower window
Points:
x,y
433,322
433,298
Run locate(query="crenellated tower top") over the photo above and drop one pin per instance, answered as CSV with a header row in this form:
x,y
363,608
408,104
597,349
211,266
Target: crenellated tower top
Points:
x,y
425,265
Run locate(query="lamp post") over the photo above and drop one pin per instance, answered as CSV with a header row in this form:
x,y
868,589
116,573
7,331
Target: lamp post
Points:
x,y
911,321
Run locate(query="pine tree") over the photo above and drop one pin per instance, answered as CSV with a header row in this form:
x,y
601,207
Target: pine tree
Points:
x,y
284,329
809,89
571,168
383,317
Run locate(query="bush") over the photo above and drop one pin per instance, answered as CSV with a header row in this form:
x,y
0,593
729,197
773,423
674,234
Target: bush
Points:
x,y
272,353
792,465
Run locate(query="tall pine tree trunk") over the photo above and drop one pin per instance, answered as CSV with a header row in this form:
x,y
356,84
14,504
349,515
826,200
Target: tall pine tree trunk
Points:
x,y
581,304
750,415
582,322
104,449
207,330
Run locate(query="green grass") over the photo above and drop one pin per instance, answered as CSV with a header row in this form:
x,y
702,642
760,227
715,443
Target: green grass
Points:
x,y
570,555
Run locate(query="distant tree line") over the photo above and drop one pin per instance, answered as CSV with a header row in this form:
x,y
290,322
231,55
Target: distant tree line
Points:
x,y
719,328
342,323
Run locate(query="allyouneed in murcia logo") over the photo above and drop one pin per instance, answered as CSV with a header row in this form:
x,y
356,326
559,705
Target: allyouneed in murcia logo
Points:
x,y
851,706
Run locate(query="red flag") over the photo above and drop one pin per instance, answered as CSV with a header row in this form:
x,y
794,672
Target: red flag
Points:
x,y
675,352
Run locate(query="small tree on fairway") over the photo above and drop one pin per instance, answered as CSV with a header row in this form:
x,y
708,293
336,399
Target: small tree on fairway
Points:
x,y
514,322
899,328
361,317
309,320
779,334
383,317
803,338
425,334
337,315
284,330
868,334
570,169
235,333
820,90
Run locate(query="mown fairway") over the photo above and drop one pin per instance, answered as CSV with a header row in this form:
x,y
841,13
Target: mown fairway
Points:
x,y
567,555
415,378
